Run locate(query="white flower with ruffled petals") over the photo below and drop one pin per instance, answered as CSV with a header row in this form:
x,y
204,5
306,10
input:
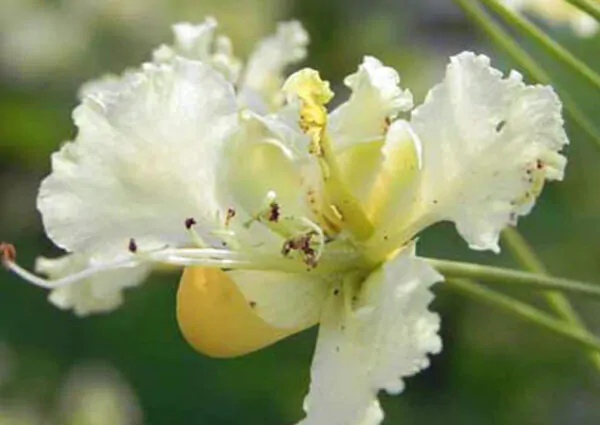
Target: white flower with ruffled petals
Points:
x,y
302,216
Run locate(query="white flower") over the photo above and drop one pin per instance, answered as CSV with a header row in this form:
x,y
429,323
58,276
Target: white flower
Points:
x,y
260,81
560,12
299,217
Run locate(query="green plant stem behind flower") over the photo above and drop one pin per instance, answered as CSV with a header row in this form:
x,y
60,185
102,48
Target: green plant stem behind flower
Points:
x,y
513,278
587,6
552,47
505,42
527,312
523,253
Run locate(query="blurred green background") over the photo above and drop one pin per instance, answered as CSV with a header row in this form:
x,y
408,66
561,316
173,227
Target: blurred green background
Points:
x,y
133,367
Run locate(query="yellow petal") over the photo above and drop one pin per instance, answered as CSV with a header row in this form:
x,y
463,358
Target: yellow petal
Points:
x,y
216,319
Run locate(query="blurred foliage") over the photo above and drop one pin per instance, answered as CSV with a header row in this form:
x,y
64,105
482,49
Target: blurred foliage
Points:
x,y
493,370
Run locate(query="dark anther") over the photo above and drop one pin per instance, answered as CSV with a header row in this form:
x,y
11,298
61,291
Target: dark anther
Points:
x,y
230,215
8,253
302,244
189,223
500,126
274,212
252,304
133,246
336,292
539,164
387,122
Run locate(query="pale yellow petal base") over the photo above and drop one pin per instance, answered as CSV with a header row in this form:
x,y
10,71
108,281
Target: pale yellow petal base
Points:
x,y
216,319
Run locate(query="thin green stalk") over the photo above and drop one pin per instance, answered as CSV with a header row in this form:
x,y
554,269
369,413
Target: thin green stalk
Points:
x,y
552,47
525,256
505,42
453,269
526,312
587,6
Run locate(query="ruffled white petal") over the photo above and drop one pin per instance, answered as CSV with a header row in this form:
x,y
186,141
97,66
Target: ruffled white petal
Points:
x,y
371,343
199,42
264,72
268,150
146,157
106,89
97,294
375,100
489,144
284,300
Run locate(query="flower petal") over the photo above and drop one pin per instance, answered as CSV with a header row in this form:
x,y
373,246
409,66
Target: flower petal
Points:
x,y
284,300
264,76
376,99
145,159
386,336
382,175
98,294
262,152
489,144
198,42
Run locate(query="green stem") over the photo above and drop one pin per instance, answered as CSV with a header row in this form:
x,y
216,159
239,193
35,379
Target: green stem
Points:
x,y
505,42
587,6
523,253
551,46
527,312
452,269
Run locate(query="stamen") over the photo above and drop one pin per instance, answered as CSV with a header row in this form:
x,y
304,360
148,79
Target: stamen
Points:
x,y
221,258
268,213
274,212
196,239
8,254
202,257
309,244
132,246
230,215
70,279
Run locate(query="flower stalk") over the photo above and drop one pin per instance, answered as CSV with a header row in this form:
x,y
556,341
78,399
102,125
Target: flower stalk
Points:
x,y
513,278
552,47
587,6
526,312
524,255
